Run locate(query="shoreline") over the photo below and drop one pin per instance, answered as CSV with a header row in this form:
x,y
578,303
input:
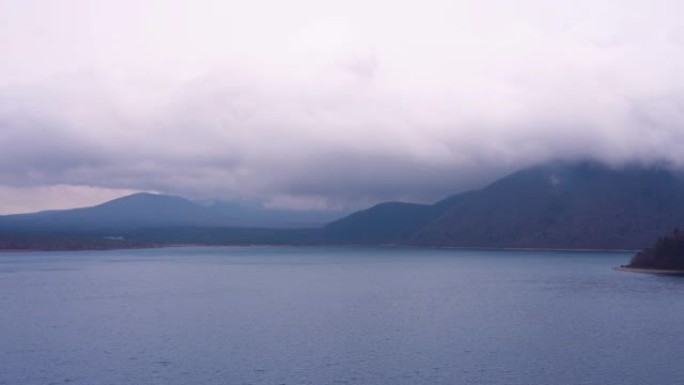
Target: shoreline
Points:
x,y
642,270
399,246
529,249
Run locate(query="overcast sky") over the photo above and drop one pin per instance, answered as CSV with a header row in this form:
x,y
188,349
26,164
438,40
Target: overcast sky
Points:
x,y
310,103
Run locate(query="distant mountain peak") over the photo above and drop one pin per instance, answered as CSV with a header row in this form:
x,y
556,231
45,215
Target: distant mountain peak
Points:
x,y
147,209
146,196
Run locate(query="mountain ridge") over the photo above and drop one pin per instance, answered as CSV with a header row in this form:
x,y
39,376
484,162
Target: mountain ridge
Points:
x,y
559,205
580,205
142,210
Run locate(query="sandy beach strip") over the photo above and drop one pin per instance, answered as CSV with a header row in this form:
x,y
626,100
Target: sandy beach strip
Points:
x,y
649,271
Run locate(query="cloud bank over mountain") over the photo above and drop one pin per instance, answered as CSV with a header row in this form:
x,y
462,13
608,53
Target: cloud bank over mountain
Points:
x,y
326,105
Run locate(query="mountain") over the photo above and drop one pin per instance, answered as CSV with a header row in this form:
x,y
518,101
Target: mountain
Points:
x,y
145,210
557,205
580,205
137,210
387,223
391,222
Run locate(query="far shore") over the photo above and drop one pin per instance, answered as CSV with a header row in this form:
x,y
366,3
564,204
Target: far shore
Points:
x,y
176,245
649,271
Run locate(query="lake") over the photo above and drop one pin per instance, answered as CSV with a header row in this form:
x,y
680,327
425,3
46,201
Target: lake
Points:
x,y
346,315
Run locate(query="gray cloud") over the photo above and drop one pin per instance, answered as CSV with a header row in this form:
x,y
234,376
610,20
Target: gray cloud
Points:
x,y
341,108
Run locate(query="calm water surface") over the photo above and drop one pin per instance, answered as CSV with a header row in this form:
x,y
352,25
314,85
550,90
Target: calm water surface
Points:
x,y
269,315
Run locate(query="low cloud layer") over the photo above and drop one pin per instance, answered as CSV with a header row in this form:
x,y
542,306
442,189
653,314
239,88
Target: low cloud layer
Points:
x,y
332,106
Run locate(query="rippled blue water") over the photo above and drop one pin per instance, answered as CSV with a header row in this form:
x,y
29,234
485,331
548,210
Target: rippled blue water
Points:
x,y
268,315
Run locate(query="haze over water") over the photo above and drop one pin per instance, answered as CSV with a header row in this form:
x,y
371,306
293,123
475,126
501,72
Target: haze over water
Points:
x,y
270,315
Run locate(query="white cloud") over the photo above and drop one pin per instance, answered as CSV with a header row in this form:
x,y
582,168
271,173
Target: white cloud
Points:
x,y
331,103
